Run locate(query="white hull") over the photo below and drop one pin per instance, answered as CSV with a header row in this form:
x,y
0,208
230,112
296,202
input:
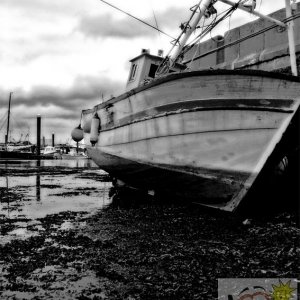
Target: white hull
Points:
x,y
204,136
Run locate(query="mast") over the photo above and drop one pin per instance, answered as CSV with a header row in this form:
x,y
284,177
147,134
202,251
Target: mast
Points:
x,y
180,42
8,118
202,6
290,28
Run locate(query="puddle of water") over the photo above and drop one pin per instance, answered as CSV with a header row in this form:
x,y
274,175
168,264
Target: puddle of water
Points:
x,y
41,194
76,163
39,197
25,198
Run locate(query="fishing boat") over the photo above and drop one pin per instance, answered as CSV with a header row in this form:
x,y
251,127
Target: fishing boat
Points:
x,y
206,135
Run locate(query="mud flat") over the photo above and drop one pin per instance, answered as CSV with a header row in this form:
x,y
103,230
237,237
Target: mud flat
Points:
x,y
133,249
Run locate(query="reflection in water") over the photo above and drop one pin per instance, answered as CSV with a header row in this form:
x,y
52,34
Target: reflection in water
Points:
x,y
75,163
38,187
48,191
30,190
38,182
7,199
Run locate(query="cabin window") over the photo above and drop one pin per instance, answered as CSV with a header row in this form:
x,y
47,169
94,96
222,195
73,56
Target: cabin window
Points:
x,y
152,70
132,72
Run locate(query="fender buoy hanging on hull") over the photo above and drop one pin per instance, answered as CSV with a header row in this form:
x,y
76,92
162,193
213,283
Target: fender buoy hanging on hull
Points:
x,y
95,128
77,134
87,126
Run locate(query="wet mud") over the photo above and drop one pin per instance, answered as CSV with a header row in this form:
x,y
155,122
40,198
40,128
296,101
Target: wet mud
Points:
x,y
129,248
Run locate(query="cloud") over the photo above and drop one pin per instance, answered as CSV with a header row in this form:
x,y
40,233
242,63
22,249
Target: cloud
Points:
x,y
60,108
107,26
84,89
36,7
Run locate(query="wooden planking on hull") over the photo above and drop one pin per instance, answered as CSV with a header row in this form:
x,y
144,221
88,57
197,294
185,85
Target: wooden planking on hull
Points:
x,y
211,133
213,173
196,93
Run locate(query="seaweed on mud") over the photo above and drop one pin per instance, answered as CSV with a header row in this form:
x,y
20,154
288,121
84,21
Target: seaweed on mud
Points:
x,y
95,176
181,254
38,170
76,192
156,252
146,250
8,195
50,186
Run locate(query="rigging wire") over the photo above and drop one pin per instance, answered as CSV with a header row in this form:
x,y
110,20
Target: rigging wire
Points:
x,y
136,18
3,123
227,14
229,25
209,28
198,46
156,22
155,19
164,63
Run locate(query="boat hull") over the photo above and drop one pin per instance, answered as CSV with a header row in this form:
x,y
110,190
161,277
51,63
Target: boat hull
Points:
x,y
204,136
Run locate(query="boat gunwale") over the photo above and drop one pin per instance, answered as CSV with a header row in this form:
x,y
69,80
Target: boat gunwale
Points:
x,y
253,108
181,75
143,116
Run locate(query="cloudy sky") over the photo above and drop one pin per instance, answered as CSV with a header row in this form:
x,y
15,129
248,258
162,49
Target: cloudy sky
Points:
x,y
61,56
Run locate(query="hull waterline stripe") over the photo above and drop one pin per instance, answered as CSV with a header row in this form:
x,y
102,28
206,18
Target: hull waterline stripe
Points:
x,y
188,133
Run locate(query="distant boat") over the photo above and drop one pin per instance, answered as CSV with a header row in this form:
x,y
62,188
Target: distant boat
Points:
x,y
19,153
75,154
202,135
15,150
51,152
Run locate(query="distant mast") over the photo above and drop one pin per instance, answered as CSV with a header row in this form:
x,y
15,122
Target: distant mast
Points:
x,y
8,118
